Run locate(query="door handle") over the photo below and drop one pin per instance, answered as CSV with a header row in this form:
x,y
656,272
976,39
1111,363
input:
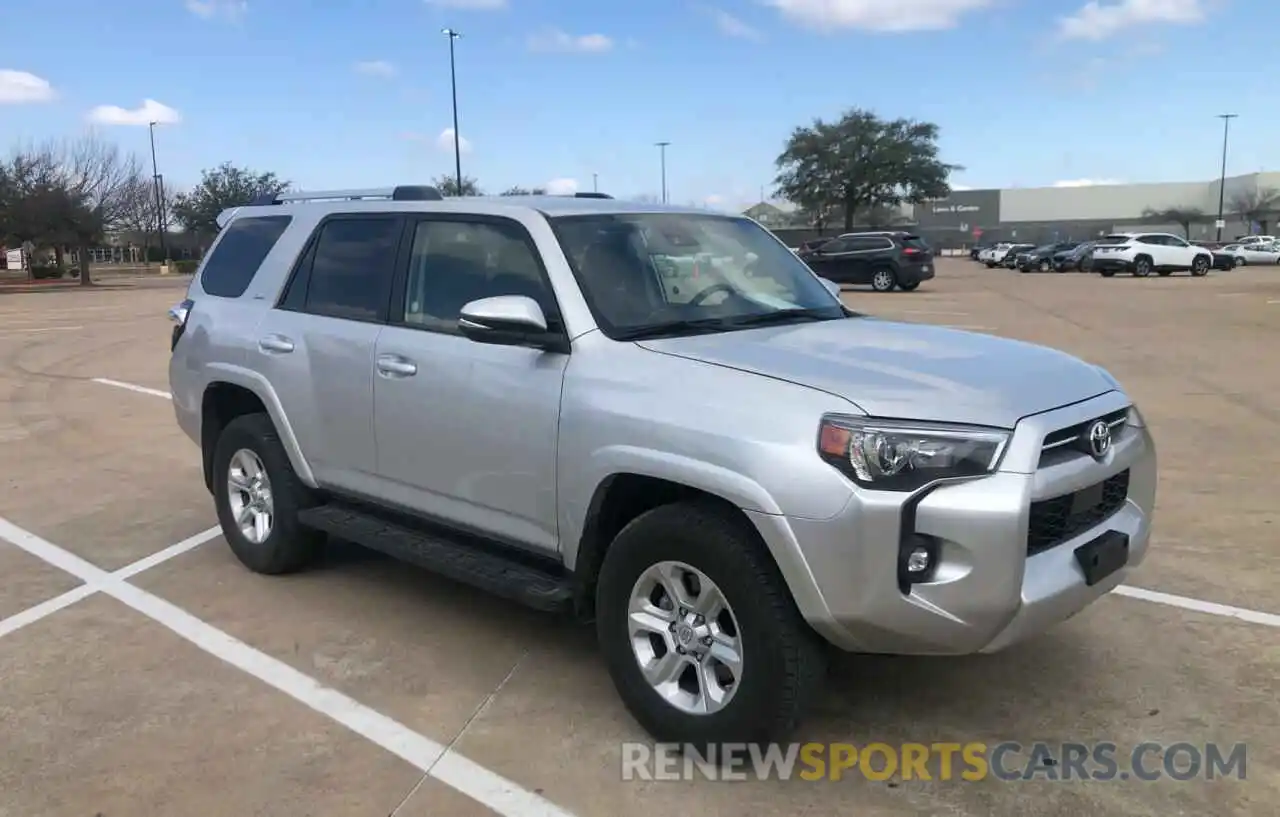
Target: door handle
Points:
x,y
396,366
275,343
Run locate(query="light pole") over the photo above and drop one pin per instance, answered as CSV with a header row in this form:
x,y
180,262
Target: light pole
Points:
x,y
1222,179
453,83
662,152
595,182
155,180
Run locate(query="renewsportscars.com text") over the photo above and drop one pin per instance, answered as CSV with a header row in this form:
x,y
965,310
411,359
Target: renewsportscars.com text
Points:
x,y
1005,761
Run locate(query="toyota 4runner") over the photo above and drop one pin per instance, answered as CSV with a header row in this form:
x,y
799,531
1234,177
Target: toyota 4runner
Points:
x,y
720,464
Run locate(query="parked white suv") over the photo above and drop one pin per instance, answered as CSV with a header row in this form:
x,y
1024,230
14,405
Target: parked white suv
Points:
x,y
1145,253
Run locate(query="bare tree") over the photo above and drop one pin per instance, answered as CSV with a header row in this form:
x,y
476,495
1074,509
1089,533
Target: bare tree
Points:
x,y
140,216
103,182
1258,205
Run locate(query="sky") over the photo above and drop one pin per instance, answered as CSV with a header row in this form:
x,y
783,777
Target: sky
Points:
x,y
574,94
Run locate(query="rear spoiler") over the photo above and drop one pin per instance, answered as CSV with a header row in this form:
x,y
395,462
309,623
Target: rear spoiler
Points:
x,y
226,215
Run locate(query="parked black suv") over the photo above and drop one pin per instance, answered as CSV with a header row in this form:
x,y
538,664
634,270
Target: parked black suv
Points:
x,y
1076,258
1010,260
1041,258
883,260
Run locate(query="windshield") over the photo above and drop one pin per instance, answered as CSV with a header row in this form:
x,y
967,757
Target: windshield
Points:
x,y
656,274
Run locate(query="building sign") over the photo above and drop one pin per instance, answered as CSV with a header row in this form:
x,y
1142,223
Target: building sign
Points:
x,y
962,211
13,259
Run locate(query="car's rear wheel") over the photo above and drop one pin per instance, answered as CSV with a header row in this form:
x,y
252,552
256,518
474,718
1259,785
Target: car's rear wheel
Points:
x,y
258,497
883,280
699,631
1141,266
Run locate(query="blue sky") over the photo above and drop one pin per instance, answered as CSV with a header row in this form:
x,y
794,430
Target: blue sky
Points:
x,y
356,94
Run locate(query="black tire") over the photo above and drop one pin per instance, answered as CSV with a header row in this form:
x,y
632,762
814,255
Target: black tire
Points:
x,y
1200,266
1044,266
1107,273
289,547
784,660
893,279
1141,266
909,287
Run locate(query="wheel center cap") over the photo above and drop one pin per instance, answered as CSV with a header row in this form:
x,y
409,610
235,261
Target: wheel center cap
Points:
x,y
684,635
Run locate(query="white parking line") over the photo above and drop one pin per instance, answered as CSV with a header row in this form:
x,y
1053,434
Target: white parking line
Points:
x,y
1212,608
933,312
120,384
434,759
4,333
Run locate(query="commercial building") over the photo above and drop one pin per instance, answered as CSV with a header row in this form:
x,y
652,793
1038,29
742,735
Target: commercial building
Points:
x,y
1251,204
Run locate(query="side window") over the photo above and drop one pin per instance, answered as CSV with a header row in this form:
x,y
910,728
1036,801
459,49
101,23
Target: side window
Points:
x,y
454,262
243,247
1151,239
352,268
1174,241
837,245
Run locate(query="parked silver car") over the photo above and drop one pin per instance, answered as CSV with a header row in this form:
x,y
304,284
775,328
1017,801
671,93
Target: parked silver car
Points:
x,y
727,469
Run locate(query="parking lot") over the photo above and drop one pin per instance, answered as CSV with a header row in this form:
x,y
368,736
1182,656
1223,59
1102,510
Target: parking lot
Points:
x,y
145,672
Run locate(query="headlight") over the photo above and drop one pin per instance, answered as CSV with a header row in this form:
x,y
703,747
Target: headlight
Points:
x,y
893,455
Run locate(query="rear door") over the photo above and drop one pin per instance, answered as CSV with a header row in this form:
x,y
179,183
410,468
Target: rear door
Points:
x,y
317,346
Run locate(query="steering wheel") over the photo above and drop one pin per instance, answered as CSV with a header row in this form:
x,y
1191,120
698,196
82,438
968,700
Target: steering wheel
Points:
x,y
709,291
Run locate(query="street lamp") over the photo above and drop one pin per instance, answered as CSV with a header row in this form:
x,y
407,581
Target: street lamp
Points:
x,y
1222,179
453,83
155,180
595,182
662,152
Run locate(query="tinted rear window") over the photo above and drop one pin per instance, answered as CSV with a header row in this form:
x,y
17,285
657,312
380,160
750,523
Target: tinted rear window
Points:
x,y
914,241
1114,239
235,260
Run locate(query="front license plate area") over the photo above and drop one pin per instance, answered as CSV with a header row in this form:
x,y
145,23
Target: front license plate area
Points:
x,y
1086,499
1103,556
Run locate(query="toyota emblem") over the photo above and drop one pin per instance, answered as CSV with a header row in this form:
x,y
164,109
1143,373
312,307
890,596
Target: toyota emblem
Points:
x,y
1099,439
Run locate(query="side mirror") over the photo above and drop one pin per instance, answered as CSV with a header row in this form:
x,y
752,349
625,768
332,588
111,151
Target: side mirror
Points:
x,y
505,320
831,286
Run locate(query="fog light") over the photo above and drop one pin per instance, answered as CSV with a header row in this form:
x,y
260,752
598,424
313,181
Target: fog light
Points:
x,y
919,560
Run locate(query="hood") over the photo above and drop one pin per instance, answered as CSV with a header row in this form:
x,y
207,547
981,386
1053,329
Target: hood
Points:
x,y
904,370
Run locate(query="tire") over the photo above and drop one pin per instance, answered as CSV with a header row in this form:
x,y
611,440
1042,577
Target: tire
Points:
x,y
1107,273
1238,262
1044,266
288,547
883,279
1200,266
910,287
1141,266
783,660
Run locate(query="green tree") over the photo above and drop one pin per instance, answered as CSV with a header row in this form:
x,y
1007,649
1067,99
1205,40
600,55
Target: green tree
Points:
x,y
1184,217
517,190
221,187
448,186
860,162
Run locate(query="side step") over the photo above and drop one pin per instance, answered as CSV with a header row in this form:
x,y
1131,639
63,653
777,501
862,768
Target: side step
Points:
x,y
466,563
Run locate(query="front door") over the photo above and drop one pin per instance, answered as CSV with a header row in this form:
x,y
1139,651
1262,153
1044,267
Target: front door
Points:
x,y
467,432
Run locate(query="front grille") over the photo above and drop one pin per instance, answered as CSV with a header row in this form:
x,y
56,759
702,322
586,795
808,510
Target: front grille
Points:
x,y
1054,521
1077,436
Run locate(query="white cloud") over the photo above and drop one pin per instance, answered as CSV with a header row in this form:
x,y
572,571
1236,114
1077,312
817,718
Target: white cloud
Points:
x,y
209,9
1085,182
17,87
1096,21
878,15
376,68
731,26
446,138
553,39
961,187
468,5
562,187
150,111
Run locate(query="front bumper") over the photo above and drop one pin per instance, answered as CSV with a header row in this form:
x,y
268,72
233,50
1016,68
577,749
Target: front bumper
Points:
x,y
986,592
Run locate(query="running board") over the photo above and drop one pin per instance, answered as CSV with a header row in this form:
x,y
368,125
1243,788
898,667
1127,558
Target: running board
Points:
x,y
494,573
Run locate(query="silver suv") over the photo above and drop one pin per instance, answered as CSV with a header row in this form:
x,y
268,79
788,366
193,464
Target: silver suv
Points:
x,y
655,418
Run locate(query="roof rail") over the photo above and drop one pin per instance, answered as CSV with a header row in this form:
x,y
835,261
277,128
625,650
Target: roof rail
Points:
x,y
404,192
592,196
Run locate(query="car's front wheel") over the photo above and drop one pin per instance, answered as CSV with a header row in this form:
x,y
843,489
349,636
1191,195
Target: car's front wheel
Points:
x,y
258,498
1200,266
699,631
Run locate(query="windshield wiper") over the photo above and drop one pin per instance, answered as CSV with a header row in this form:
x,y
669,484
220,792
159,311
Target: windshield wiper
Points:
x,y
659,330
780,316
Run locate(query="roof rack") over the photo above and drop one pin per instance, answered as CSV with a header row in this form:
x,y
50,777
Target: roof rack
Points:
x,y
403,192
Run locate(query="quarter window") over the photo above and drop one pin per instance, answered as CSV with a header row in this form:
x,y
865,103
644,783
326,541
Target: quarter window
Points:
x,y
243,247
